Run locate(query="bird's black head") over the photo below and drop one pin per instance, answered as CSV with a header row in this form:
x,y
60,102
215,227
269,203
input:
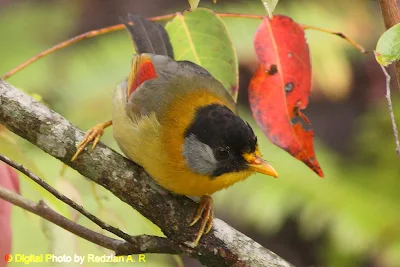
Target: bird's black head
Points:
x,y
218,141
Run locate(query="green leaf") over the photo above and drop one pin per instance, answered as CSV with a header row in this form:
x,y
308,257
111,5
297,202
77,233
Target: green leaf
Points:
x,y
193,4
201,37
388,47
270,6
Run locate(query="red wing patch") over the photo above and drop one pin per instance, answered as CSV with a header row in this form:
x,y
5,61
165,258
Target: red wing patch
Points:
x,y
142,70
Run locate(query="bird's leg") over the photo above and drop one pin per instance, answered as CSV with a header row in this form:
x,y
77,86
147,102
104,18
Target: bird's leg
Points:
x,y
94,134
205,209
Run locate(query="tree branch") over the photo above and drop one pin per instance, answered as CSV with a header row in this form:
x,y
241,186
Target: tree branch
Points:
x,y
223,246
391,16
65,199
138,244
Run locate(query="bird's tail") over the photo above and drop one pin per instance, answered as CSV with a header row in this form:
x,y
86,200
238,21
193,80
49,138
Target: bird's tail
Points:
x,y
148,36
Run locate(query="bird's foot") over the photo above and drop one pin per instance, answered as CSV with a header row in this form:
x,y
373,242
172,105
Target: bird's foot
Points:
x,y
93,135
205,209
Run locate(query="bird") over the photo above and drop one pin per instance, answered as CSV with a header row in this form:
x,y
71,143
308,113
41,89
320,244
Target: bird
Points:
x,y
179,123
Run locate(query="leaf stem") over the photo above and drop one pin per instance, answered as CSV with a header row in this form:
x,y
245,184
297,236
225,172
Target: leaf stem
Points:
x,y
341,35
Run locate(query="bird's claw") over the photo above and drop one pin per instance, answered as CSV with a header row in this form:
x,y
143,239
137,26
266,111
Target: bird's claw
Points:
x,y
205,209
93,135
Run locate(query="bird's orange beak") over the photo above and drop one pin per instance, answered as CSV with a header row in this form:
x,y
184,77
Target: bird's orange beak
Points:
x,y
257,164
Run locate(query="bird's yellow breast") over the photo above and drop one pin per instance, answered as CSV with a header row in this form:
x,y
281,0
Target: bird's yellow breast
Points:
x,y
156,144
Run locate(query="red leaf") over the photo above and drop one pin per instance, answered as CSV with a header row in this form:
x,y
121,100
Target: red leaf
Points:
x,y
8,180
281,86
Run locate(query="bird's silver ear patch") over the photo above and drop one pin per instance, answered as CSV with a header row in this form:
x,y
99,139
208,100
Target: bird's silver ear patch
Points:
x,y
199,156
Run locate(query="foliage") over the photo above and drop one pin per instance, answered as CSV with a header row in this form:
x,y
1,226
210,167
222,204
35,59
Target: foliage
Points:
x,y
206,44
281,86
195,3
388,47
270,6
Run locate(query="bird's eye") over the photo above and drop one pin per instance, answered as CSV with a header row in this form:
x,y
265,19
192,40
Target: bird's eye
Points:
x,y
221,153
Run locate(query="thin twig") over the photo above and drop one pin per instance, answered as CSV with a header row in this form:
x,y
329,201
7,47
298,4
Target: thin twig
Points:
x,y
118,27
62,45
73,40
389,100
66,200
138,244
341,35
239,15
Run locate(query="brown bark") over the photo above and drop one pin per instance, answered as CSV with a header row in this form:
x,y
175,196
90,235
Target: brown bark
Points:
x,y
391,16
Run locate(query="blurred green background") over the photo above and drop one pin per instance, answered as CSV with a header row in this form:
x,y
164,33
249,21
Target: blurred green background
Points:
x,y
349,218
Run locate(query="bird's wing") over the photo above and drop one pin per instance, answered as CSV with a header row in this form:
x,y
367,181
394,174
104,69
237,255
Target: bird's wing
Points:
x,y
163,79
156,78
